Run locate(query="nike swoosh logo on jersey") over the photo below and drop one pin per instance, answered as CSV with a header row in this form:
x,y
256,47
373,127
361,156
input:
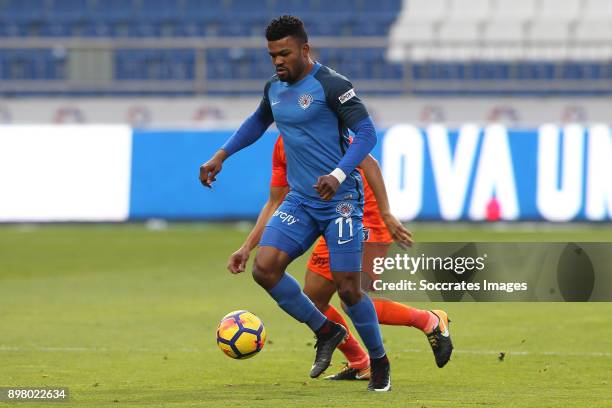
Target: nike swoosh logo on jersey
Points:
x,y
341,242
275,103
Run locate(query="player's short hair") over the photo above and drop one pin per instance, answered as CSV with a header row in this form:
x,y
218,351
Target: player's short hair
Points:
x,y
285,26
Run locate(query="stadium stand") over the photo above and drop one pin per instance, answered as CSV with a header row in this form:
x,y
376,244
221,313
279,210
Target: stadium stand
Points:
x,y
167,18
410,46
524,46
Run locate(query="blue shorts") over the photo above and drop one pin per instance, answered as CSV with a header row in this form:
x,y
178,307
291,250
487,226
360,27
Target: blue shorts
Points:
x,y
299,221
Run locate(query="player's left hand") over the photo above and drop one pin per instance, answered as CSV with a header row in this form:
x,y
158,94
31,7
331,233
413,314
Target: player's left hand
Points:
x,y
327,186
400,234
238,260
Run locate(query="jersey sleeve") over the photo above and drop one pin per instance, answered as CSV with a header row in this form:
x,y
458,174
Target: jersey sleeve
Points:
x,y
279,165
343,100
264,105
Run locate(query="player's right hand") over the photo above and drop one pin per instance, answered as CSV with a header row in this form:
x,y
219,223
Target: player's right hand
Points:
x,y
400,234
327,186
237,262
209,170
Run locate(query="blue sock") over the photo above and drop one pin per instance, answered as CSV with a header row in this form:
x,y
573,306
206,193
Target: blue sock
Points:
x,y
292,300
364,318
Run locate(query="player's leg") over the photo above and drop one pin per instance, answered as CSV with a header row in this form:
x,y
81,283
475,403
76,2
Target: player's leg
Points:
x,y
319,286
363,315
289,232
344,238
318,283
390,312
433,323
269,272
371,250
320,291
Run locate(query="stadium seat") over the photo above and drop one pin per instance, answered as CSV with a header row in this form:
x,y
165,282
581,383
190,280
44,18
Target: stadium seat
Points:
x,y
489,71
597,10
416,32
563,12
415,29
24,11
449,71
548,39
113,11
582,70
503,40
461,32
460,41
504,32
301,8
549,31
590,31
592,40
476,11
536,71
27,64
67,11
440,40
384,6
516,10
423,10
158,10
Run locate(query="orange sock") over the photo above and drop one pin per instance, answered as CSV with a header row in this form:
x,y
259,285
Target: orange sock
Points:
x,y
352,350
398,314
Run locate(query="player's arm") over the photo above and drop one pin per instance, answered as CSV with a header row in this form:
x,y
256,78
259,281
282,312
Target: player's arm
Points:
x,y
248,133
351,111
238,259
374,177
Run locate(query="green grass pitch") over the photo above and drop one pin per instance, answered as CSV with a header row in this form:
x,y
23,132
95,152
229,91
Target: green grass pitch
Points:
x,y
126,317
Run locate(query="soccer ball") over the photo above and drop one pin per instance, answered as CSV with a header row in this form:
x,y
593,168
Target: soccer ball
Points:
x,y
241,334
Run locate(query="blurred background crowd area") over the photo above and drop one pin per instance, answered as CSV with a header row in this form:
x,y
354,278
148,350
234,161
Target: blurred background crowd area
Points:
x,y
518,61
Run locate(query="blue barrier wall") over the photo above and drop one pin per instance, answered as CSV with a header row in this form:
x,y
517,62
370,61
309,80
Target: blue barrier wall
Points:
x,y
523,152
549,173
165,169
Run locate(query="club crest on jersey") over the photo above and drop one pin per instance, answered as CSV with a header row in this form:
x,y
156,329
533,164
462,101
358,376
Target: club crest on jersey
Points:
x,y
305,101
345,209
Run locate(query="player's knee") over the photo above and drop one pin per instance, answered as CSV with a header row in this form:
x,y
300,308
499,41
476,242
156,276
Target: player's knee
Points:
x,y
349,297
264,274
349,293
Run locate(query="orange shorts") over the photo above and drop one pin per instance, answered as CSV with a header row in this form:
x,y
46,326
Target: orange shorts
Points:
x,y
319,259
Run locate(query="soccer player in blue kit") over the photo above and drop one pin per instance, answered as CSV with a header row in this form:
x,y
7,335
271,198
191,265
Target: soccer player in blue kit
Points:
x,y
313,107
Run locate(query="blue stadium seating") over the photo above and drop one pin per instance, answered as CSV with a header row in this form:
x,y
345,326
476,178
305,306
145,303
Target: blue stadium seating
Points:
x,y
189,18
31,64
167,17
432,76
154,64
242,18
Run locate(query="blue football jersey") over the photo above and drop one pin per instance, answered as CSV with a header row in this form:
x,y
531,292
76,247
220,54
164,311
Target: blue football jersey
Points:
x,y
314,116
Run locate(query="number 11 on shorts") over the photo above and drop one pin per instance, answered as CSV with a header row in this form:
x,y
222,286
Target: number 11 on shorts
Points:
x,y
340,221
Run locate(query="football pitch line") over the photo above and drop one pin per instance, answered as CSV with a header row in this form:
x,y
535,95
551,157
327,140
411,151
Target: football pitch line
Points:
x,y
44,349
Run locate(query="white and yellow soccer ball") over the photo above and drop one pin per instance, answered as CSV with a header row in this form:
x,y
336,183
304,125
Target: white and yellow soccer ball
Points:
x,y
241,334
